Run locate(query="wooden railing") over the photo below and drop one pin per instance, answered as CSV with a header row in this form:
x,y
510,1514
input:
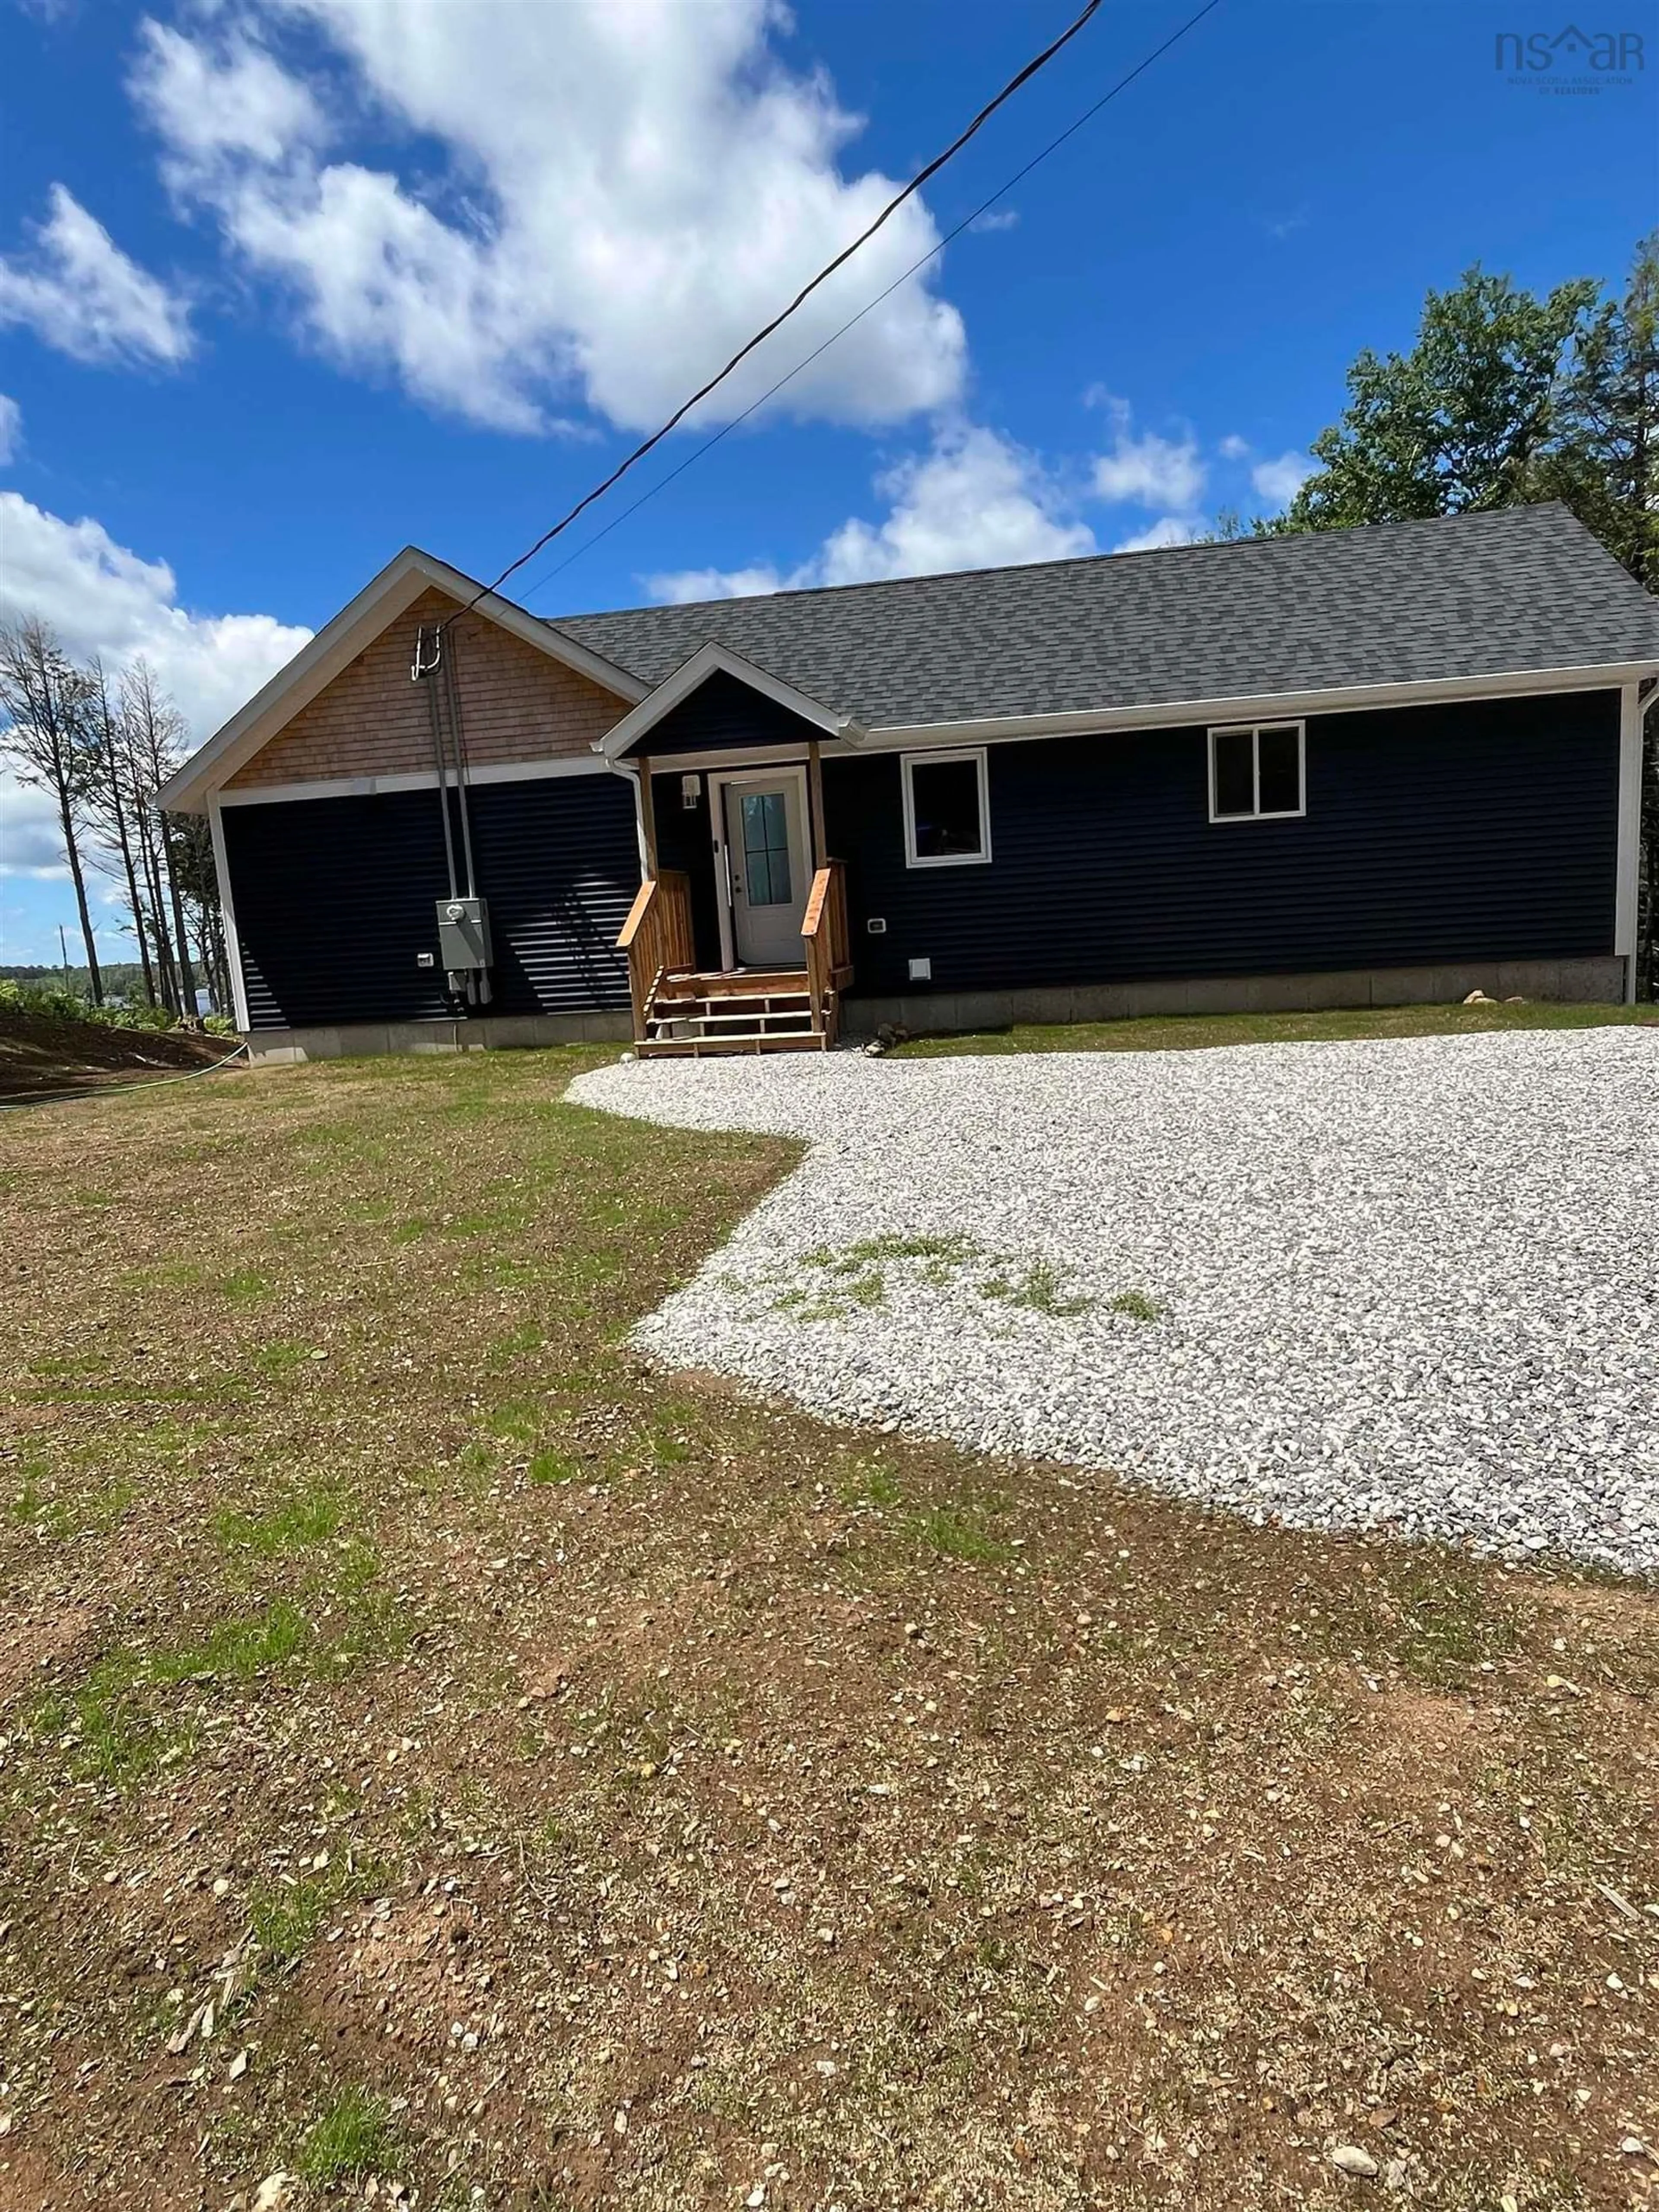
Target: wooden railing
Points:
x,y
823,933
657,937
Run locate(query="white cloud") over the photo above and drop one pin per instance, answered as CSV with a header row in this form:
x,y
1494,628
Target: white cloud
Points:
x,y
1280,480
628,188
1234,448
234,100
30,844
79,293
11,429
100,598
996,219
683,585
1150,471
1167,530
976,500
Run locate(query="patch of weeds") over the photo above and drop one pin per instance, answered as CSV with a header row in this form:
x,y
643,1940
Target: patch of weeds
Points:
x,y
954,1534
108,1735
552,1466
245,1286
1449,1624
517,1421
870,1485
237,1648
284,1916
515,1344
114,1732
817,1305
1041,1290
310,1518
1135,1304
351,2139
58,1517
277,1359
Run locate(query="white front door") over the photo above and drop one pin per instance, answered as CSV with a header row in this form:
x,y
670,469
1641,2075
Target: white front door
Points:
x,y
765,818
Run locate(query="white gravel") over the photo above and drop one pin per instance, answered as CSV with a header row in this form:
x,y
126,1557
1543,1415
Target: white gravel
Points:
x,y
1413,1283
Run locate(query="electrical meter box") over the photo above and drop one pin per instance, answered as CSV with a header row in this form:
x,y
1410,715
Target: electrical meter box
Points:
x,y
462,934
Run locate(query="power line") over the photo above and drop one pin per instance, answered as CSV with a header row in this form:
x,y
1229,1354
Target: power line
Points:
x,y
970,218
1022,77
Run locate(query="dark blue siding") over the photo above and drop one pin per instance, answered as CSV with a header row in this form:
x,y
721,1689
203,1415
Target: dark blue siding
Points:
x,y
1472,832
722,712
558,858
335,898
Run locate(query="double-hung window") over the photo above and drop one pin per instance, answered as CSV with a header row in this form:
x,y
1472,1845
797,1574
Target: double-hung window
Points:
x,y
1258,772
947,815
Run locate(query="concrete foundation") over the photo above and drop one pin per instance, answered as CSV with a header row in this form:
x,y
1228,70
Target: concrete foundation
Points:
x,y
1580,981
500,1032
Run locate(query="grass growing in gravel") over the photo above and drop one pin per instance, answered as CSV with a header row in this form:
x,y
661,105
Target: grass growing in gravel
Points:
x,y
1182,1032
862,1274
545,1741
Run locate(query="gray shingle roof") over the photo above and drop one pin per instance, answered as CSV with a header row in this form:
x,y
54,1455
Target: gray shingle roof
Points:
x,y
1393,603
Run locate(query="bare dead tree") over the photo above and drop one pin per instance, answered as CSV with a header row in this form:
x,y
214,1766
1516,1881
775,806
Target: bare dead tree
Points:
x,y
111,806
156,738
50,738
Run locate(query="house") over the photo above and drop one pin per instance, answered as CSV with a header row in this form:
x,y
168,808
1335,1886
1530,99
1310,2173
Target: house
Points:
x,y
1365,767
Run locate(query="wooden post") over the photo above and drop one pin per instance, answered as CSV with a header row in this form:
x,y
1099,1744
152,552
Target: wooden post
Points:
x,y
648,819
815,804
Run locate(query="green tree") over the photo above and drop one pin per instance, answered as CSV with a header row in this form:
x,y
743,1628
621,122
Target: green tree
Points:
x,y
1464,420
1604,455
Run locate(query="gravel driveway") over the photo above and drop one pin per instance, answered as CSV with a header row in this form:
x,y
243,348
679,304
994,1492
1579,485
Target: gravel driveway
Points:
x,y
1413,1283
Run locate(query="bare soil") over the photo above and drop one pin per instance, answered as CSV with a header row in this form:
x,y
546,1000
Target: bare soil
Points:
x,y
571,1786
42,1057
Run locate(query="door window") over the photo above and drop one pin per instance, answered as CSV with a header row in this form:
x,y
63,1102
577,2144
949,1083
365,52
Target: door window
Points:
x,y
766,847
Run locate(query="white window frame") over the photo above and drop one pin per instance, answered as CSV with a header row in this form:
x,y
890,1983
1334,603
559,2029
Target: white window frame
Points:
x,y
908,763
1253,730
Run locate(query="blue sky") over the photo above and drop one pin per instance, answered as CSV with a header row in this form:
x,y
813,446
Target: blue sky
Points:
x,y
285,284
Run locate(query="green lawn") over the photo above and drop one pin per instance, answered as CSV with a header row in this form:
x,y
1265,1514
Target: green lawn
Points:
x,y
1184,1032
437,1750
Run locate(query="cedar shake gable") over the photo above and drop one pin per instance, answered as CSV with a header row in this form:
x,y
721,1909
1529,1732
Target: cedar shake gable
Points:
x,y
516,705
345,711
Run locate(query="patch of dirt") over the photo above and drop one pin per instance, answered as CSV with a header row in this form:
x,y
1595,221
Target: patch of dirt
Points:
x,y
34,1640
41,1057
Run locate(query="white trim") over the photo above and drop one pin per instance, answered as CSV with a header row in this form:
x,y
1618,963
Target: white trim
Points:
x,y
711,659
1627,861
1253,730
718,786
736,757
939,759
424,778
397,587
227,916
1265,706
